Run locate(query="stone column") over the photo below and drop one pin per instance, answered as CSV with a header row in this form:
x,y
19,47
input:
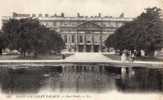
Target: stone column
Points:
x,y
70,38
68,42
100,47
84,42
92,46
77,47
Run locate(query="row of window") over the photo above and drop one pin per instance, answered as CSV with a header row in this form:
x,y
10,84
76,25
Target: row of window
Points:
x,y
106,24
71,38
66,38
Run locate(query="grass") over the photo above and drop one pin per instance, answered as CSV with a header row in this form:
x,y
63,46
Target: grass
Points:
x,y
117,57
40,57
149,59
113,56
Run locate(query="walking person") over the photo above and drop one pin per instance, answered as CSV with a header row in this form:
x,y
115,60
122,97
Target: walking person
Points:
x,y
63,56
132,57
123,57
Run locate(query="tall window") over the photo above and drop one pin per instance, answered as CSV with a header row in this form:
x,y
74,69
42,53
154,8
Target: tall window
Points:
x,y
81,39
73,39
65,38
54,24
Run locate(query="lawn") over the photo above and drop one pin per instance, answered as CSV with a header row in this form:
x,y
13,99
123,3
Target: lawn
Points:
x,y
117,57
41,57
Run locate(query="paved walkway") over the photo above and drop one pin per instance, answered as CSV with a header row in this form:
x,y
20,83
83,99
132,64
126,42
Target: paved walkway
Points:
x,y
87,57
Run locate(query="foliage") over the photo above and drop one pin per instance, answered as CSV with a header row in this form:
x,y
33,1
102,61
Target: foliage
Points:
x,y
29,36
144,32
2,42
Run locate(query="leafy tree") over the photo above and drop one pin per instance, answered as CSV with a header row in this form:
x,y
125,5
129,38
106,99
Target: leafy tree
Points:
x,y
143,33
2,42
55,42
29,36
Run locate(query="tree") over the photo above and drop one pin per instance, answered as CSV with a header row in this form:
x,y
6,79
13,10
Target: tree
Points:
x,y
55,42
143,33
29,36
2,42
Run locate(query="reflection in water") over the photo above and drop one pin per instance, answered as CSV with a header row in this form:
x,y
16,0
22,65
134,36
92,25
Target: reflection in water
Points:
x,y
20,80
80,82
144,80
56,80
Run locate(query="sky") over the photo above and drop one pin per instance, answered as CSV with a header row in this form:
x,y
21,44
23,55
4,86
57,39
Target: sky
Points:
x,y
131,8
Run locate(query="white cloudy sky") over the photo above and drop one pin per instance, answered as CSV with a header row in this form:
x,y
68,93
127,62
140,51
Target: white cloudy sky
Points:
x,y
131,8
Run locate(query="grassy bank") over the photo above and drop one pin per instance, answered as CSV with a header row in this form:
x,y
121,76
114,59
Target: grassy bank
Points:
x,y
117,57
40,57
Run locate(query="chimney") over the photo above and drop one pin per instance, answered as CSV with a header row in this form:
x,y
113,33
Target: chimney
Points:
x,y
40,15
46,15
99,14
62,14
78,14
33,15
14,14
121,15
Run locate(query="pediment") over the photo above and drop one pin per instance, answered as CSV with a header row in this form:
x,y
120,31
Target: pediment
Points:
x,y
89,26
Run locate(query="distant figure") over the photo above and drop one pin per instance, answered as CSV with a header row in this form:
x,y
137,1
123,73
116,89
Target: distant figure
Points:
x,y
142,53
63,56
156,53
132,57
123,57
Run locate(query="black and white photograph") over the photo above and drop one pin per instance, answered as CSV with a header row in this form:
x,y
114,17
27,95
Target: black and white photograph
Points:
x,y
81,49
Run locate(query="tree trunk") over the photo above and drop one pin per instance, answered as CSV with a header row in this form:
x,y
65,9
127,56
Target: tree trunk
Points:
x,y
138,53
35,54
0,51
24,55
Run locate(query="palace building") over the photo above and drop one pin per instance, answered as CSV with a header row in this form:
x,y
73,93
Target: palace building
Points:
x,y
80,33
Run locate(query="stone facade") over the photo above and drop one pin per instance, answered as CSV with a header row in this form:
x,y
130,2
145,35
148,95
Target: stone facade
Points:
x,y
80,33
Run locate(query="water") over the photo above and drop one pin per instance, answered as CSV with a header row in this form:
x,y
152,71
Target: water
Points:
x,y
55,79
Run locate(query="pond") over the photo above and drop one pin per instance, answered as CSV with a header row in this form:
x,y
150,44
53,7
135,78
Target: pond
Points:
x,y
55,79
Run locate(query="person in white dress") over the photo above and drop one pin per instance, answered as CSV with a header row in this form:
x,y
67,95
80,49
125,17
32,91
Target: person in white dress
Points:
x,y
123,57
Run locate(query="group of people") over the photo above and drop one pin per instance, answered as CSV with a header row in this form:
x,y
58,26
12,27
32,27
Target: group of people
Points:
x,y
128,56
